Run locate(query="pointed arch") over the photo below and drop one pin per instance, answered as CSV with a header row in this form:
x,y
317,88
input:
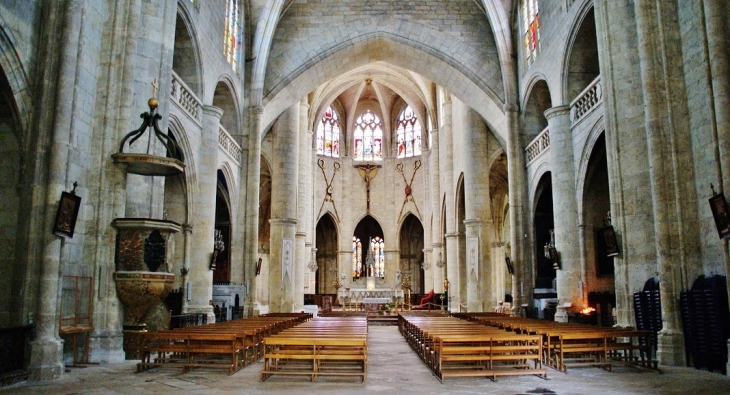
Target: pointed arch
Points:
x,y
186,58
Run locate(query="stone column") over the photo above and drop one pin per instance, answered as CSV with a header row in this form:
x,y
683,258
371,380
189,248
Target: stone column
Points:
x,y
252,192
451,256
46,352
436,236
480,280
662,173
516,174
564,207
285,169
187,242
200,277
304,204
715,12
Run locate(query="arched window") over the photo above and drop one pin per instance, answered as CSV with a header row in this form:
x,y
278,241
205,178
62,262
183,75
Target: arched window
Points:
x,y
368,137
356,258
377,248
408,134
232,33
531,28
328,134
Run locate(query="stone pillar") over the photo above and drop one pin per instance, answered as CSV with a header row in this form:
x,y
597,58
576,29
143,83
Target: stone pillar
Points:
x,y
564,207
187,242
451,256
200,277
516,175
304,205
452,271
480,280
46,350
662,174
252,192
436,236
284,178
715,12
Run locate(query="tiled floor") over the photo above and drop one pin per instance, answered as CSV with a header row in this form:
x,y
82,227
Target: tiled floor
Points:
x,y
392,369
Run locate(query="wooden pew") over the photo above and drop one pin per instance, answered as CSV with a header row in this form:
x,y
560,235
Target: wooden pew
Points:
x,y
332,346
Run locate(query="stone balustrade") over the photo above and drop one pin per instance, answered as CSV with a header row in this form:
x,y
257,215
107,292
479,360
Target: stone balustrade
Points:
x,y
183,96
591,97
539,145
229,145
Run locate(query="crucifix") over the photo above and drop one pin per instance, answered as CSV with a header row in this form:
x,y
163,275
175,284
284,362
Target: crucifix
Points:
x,y
367,172
155,88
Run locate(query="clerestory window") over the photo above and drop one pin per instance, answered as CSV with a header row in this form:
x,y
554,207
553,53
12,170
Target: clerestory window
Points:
x,y
328,134
531,28
232,33
368,138
408,134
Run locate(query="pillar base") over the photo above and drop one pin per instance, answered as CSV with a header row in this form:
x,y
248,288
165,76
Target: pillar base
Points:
x,y
561,314
670,350
46,359
106,347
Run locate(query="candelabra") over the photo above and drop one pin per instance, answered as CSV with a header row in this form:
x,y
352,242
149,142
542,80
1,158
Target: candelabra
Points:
x,y
440,261
312,266
426,265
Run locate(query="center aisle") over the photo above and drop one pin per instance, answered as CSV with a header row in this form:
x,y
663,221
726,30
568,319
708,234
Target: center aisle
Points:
x,y
393,367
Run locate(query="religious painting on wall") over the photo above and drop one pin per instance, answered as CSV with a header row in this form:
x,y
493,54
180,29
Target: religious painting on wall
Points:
x,y
68,211
606,249
718,205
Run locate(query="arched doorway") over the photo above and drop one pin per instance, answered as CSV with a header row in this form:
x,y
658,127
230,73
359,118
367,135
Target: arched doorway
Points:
x,y
599,251
326,256
222,272
461,231
544,225
262,267
411,252
10,207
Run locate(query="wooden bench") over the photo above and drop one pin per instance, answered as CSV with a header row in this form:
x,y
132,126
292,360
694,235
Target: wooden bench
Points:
x,y
451,347
333,346
216,350
488,355
170,348
315,357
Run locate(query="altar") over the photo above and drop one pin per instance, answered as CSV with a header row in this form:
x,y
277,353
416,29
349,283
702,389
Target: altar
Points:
x,y
377,300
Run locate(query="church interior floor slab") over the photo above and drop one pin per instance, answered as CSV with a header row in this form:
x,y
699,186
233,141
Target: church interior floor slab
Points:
x,y
393,368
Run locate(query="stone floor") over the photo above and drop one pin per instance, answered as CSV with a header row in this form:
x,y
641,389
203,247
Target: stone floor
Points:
x,y
392,369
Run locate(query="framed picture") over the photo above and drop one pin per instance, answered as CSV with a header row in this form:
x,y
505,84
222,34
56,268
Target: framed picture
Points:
x,y
510,266
554,257
609,241
718,205
68,211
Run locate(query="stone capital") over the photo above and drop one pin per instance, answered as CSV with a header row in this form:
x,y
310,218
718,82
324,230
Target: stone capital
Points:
x,y
557,111
212,111
510,107
283,221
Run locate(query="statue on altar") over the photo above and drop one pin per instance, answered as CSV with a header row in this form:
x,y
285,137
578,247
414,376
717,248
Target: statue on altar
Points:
x,y
397,278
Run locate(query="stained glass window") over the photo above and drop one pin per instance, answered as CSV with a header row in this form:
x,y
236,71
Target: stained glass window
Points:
x,y
356,258
408,134
232,33
368,137
531,26
377,248
328,134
